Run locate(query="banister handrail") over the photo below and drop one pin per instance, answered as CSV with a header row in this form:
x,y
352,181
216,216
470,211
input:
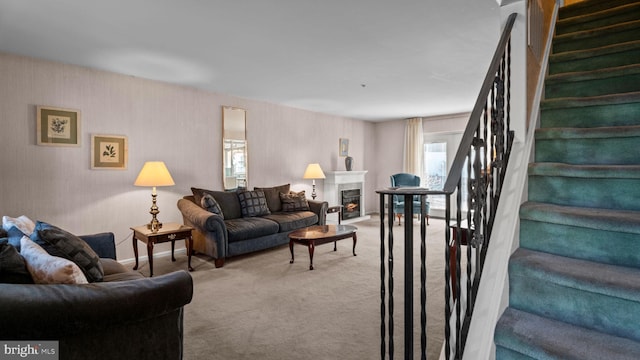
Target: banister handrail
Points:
x,y
474,119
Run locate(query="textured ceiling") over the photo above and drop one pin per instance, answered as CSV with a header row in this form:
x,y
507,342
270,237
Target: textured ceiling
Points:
x,y
366,59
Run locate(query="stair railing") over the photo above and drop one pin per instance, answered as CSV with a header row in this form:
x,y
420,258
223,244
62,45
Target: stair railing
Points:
x,y
479,168
475,180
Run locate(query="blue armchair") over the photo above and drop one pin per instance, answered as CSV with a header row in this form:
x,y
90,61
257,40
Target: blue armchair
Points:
x,y
407,180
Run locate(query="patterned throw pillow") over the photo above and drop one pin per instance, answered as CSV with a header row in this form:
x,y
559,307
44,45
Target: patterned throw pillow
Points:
x,y
253,203
16,228
47,269
211,205
61,243
294,201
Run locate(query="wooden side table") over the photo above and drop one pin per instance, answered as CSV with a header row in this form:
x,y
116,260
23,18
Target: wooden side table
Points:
x,y
336,209
168,232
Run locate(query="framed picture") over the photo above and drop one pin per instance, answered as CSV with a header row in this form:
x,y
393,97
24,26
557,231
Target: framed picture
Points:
x,y
109,152
344,147
57,126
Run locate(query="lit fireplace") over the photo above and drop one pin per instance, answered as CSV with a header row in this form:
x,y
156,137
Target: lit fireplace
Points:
x,y
351,203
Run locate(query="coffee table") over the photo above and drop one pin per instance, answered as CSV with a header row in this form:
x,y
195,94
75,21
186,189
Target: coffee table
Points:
x,y
321,234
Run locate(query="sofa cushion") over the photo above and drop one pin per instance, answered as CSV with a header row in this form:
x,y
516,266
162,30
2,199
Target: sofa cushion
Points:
x,y
293,201
249,228
272,194
48,269
253,203
16,228
288,221
228,201
114,271
211,205
58,242
13,269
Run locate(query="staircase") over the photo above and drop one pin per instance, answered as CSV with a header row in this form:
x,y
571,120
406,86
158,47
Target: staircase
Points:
x,y
574,283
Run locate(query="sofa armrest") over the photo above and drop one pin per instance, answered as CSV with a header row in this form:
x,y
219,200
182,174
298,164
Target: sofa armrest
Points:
x,y
320,209
209,227
59,311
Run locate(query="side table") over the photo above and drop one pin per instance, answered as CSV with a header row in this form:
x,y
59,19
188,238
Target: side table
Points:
x,y
168,232
336,209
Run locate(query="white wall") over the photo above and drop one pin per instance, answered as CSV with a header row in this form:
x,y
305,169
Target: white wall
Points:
x,y
178,125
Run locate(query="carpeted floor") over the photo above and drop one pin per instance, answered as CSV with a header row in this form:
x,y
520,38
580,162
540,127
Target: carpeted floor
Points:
x,y
259,306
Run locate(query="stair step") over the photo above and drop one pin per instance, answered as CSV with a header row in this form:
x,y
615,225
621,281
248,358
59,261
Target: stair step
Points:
x,y
589,39
592,59
605,236
618,14
521,335
590,6
594,111
594,186
596,296
581,146
619,79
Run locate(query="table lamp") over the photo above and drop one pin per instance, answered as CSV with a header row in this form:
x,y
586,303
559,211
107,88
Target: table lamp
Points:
x,y
314,171
154,173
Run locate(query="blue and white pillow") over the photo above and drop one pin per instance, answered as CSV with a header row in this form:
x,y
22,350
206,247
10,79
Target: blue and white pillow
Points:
x,y
16,228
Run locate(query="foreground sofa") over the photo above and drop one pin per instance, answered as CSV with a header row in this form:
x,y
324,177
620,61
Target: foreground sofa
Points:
x,y
243,221
123,316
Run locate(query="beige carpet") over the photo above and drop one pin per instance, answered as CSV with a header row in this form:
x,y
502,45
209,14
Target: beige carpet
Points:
x,y
261,307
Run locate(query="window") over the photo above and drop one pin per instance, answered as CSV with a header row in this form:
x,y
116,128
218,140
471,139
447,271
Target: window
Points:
x,y
435,170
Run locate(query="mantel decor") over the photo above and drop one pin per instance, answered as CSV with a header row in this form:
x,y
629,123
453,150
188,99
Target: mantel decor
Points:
x,y
58,126
109,152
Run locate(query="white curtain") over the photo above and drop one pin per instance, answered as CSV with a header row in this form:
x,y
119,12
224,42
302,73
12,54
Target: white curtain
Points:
x,y
413,146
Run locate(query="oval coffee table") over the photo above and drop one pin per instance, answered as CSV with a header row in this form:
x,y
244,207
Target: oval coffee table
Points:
x,y
321,234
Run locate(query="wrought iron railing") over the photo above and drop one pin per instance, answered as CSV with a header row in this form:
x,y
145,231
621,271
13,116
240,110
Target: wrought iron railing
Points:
x,y
475,181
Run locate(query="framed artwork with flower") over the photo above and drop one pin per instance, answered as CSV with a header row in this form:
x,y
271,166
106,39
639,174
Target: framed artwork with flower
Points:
x,y
58,126
109,152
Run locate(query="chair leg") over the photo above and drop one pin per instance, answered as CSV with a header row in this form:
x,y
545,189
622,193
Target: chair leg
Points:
x,y
399,216
427,216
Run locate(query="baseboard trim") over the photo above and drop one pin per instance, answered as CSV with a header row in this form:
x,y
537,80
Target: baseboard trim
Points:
x,y
131,261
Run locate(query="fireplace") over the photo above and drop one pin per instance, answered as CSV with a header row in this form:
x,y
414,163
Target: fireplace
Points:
x,y
354,208
350,203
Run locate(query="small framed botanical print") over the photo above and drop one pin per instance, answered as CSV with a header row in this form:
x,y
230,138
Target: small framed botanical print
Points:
x,y
58,126
109,152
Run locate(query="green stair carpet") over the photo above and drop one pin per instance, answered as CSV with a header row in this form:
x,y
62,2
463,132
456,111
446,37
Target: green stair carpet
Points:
x,y
574,282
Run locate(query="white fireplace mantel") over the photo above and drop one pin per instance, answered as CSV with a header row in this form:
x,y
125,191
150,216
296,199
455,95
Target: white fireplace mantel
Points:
x,y
335,181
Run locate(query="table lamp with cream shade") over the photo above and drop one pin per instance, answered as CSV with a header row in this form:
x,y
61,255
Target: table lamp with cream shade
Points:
x,y
313,171
154,173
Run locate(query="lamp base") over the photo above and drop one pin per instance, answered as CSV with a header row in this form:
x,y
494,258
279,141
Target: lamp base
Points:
x,y
154,225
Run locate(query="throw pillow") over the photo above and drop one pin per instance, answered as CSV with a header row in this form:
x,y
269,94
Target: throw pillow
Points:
x,y
228,201
16,228
13,269
293,201
22,223
253,203
273,196
211,205
61,243
47,269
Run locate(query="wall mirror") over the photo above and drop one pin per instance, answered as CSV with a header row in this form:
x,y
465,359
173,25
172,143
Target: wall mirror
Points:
x,y
234,151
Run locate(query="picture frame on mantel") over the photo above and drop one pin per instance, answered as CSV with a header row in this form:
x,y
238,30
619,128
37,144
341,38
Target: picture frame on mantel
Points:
x,y
58,126
344,147
109,152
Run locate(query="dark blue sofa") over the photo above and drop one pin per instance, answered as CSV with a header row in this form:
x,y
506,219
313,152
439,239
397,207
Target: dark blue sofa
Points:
x,y
231,234
126,316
